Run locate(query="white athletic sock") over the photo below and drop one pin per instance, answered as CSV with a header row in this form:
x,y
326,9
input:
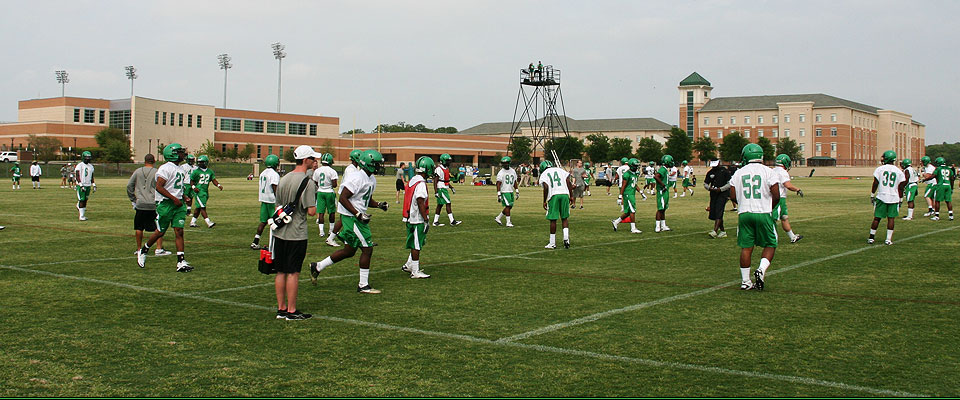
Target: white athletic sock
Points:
x,y
553,238
207,220
951,213
83,212
791,235
364,277
764,264
320,225
873,232
633,226
330,225
415,266
409,258
193,220
618,220
658,224
500,216
450,215
325,263
508,220
436,218
909,213
566,233
256,237
889,235
745,274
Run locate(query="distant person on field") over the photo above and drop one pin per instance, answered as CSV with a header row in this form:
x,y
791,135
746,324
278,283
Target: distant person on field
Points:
x,y
416,213
171,210
401,181
780,209
15,175
506,186
441,184
557,185
269,179
945,177
64,172
910,193
142,192
35,172
86,185
888,185
662,178
200,179
627,197
717,183
757,189
327,183
579,175
290,240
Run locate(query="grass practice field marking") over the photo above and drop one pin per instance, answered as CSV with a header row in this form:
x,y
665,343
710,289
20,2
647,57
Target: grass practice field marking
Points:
x,y
665,300
520,257
271,283
117,258
474,339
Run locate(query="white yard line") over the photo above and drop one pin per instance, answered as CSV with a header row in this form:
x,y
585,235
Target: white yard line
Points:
x,y
271,283
670,299
507,256
474,339
131,257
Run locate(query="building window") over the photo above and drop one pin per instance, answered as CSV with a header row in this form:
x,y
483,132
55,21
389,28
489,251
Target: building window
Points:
x,y
819,118
833,131
200,121
706,120
733,120
258,151
229,124
281,152
746,133
89,116
120,119
164,120
103,116
236,147
803,132
276,127
833,146
786,118
223,147
803,147
189,120
774,133
313,129
719,120
690,117
803,117
760,133
786,133
250,125
818,132
156,117
759,119
776,119
180,120
746,120
298,129
833,117
269,149
819,149
706,134
76,115
719,133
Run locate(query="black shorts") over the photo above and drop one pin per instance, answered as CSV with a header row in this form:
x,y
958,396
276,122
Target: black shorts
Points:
x,y
400,185
35,178
604,182
717,203
288,255
145,220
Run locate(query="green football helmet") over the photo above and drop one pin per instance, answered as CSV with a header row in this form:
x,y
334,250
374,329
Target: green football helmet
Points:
x,y
586,165
783,160
326,159
667,160
86,156
426,164
173,153
889,157
371,160
634,164
445,159
202,161
925,160
355,155
191,159
272,161
752,152
940,161
544,165
906,162
624,161
684,162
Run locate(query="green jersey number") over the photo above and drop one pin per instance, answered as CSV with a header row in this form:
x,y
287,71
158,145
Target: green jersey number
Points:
x,y
751,190
178,184
323,178
509,179
366,196
554,179
889,179
263,184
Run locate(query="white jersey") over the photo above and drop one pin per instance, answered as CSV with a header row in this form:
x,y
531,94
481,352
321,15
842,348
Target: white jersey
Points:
x,y
930,169
443,173
268,178
420,192
752,184
649,172
350,169
687,171
362,187
35,170
890,178
621,169
556,180
507,178
783,177
188,171
324,177
175,179
912,177
673,174
86,173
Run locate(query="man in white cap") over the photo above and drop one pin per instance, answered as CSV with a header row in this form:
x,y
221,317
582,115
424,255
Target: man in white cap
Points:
x,y
289,245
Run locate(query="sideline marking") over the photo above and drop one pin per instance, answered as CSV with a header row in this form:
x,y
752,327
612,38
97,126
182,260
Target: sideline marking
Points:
x,y
647,304
474,339
271,283
119,258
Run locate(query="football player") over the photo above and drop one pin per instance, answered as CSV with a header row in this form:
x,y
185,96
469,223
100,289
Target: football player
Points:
x,y
201,179
441,184
15,175
780,210
350,169
757,190
188,167
662,176
557,184
945,177
931,190
888,185
586,180
506,185
171,210
628,197
651,183
674,173
624,167
912,186
85,183
326,178
356,195
688,179
416,213
35,172
269,179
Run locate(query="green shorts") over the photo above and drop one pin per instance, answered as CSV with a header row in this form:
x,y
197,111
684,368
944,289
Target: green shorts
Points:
x,y
911,192
266,211
558,207
83,193
170,215
930,192
886,210
326,202
780,210
354,233
944,193
15,179
443,196
686,182
651,181
200,199
586,181
663,200
755,229
671,184
188,192
416,237
629,203
507,199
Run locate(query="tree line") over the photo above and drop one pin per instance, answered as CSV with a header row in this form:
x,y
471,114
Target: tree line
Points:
x,y
404,127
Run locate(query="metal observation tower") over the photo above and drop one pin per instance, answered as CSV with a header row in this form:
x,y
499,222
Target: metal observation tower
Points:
x,y
539,117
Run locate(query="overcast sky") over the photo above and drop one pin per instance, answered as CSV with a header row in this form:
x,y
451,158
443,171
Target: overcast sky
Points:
x,y
456,63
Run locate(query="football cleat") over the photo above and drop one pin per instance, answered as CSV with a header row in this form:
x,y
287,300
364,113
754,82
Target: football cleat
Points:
x,y
888,242
297,316
550,246
183,266
713,234
509,225
419,275
193,224
722,234
758,275
666,229
405,267
746,286
566,244
455,223
907,219
141,258
161,252
796,239
870,241
498,221
83,218
927,214
211,224
255,246
935,218
951,218
657,230
368,290
437,224
614,222
314,273
281,314
332,242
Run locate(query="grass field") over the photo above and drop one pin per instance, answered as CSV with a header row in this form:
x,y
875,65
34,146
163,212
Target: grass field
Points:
x,y
615,315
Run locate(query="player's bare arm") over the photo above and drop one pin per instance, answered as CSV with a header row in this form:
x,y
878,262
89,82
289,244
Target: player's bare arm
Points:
x,y
219,186
774,195
545,191
344,200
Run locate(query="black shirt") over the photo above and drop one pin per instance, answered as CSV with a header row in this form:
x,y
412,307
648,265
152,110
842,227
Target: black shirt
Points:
x,y
717,177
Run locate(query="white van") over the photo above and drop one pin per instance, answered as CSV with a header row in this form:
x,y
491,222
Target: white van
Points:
x,y
8,156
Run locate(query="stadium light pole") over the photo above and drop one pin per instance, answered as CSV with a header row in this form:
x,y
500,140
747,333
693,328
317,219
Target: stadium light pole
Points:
x,y
279,54
224,61
131,75
63,78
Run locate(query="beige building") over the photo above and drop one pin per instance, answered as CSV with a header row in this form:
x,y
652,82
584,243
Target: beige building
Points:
x,y
824,126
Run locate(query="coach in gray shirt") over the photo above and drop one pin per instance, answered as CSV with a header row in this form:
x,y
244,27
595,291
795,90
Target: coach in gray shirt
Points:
x,y
141,189
289,245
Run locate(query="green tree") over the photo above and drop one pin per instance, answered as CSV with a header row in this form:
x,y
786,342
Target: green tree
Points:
x,y
519,149
567,148
352,131
598,148
232,153
327,146
706,149
44,147
789,147
619,148
288,155
679,145
107,135
769,151
949,151
117,152
246,151
208,149
732,145
649,150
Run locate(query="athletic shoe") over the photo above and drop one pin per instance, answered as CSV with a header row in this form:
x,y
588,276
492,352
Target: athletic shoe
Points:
x,y
869,241
713,234
405,268
951,218
141,258
211,224
796,239
566,244
746,286
888,242
455,223
614,222
509,225
255,246
437,224
184,266
83,218
193,224
368,290
644,196
550,246
907,219
332,242
419,275
161,252
314,273
674,195
281,314
636,231
657,230
297,316
722,234
935,218
758,275
2,228
683,195
498,221
927,214
581,207
666,229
